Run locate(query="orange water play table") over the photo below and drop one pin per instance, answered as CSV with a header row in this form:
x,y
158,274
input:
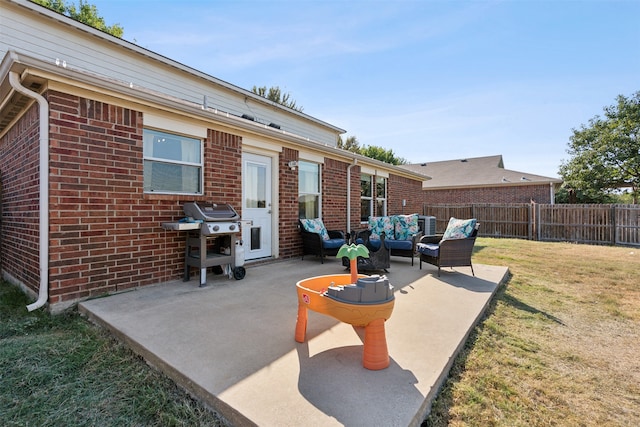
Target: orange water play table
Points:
x,y
312,296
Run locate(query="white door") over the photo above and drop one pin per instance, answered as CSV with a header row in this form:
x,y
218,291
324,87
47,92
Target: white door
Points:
x,y
256,206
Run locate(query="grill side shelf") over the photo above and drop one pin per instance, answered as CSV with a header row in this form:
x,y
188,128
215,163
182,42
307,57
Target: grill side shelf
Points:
x,y
180,226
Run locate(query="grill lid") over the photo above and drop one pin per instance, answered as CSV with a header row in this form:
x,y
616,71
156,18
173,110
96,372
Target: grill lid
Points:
x,y
210,211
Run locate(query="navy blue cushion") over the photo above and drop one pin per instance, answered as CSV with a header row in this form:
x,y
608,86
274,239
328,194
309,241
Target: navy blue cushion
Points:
x,y
332,243
390,244
398,244
429,249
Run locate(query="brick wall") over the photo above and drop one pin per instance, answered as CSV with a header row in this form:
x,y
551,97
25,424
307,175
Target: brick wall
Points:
x,y
223,169
290,243
20,198
334,194
105,233
399,188
505,194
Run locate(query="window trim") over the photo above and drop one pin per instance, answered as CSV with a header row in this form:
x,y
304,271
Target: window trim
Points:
x,y
156,160
373,198
369,198
319,193
385,198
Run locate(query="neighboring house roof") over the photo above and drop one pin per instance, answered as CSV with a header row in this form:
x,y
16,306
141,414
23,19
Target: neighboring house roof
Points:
x,y
475,172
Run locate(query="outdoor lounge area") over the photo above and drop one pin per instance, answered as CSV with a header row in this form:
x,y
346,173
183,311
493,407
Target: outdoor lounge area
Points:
x,y
231,343
401,234
384,236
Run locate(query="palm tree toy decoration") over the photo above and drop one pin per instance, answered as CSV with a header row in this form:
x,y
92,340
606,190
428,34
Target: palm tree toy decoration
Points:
x,y
352,252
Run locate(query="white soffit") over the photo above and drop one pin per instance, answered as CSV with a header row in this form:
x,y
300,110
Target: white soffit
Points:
x,y
262,144
166,123
305,155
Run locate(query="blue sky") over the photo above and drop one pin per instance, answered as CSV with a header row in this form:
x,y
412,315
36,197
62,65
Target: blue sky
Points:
x,y
431,80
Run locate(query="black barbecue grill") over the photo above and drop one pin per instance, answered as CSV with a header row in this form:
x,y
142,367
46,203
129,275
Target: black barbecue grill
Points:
x,y
211,239
216,219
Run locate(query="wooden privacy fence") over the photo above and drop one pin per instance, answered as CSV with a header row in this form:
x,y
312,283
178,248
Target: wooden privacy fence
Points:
x,y
593,224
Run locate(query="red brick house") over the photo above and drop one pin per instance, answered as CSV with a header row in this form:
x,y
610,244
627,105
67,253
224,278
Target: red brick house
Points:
x,y
482,180
102,141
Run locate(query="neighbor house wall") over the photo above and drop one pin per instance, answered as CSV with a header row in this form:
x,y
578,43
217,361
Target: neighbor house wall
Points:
x,y
504,194
20,198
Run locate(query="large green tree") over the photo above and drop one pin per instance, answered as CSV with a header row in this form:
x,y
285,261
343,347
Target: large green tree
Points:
x,y
85,12
372,151
276,95
605,155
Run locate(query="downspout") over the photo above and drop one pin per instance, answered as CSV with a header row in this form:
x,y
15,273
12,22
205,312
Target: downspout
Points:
x,y
355,162
43,293
552,193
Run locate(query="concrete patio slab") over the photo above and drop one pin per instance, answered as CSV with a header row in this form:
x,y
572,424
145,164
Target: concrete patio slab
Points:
x,y
231,343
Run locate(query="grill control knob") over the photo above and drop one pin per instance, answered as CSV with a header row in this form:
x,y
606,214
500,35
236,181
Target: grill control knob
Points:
x,y
215,228
232,227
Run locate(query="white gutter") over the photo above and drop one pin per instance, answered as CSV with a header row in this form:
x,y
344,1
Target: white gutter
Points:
x,y
355,162
43,294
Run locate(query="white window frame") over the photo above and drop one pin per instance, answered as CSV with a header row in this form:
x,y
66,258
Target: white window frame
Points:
x,y
317,193
157,160
378,197
365,198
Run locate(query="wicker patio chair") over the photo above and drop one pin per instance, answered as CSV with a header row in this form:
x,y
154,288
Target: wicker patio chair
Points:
x,y
314,244
449,252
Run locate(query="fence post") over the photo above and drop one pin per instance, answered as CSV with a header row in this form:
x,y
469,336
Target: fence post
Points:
x,y
538,225
530,226
614,226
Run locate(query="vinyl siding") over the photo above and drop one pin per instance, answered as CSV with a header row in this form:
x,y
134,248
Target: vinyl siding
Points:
x,y
50,37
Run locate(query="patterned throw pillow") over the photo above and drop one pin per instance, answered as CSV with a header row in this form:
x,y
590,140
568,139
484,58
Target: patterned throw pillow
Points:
x,y
406,226
459,228
379,225
315,226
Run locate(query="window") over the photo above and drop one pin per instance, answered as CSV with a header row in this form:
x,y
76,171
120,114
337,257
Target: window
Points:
x,y
255,177
172,163
366,197
308,190
370,198
381,196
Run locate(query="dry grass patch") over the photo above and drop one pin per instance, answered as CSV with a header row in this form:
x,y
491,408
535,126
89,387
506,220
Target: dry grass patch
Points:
x,y
63,371
559,345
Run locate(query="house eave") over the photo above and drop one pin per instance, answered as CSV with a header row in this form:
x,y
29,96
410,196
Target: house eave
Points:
x,y
138,50
492,185
42,71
